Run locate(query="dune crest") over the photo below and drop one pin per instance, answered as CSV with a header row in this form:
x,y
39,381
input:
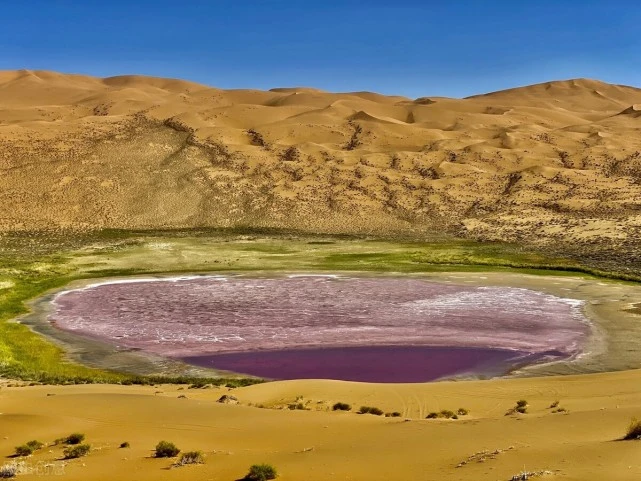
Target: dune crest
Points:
x,y
142,152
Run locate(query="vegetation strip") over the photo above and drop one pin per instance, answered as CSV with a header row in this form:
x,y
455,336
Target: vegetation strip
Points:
x,y
33,263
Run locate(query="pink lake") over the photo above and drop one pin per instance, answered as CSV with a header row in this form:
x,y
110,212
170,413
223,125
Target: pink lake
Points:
x,y
319,326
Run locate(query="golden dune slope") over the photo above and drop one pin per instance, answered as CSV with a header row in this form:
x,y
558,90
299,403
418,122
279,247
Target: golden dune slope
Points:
x,y
548,162
579,445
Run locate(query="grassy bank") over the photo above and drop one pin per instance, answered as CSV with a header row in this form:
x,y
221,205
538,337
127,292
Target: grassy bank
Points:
x,y
32,264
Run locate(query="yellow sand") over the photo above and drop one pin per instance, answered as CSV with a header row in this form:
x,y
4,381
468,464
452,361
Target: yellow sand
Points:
x,y
552,162
320,444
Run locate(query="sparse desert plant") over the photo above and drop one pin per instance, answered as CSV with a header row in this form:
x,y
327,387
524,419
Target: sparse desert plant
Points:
x,y
75,438
394,414
445,414
341,407
291,154
124,445
521,408
634,430
559,410
24,450
76,451
526,475
199,385
9,470
297,407
165,449
191,457
35,444
370,410
462,412
554,404
261,472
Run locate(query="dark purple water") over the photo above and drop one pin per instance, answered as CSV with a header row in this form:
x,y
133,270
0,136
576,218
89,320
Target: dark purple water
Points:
x,y
322,326
373,364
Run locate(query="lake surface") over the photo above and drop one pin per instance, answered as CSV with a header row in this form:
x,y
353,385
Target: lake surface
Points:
x,y
387,329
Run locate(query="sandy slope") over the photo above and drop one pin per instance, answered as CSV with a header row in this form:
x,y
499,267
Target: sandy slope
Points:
x,y
547,162
320,445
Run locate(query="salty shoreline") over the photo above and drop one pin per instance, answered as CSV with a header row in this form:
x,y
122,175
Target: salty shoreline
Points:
x,y
605,349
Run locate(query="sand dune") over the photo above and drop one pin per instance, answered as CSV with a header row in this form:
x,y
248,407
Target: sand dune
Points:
x,y
579,445
150,152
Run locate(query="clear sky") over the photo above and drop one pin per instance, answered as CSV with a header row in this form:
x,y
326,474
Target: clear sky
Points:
x,y
412,48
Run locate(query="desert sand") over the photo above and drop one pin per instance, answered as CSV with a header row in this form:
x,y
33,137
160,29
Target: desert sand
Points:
x,y
556,166
318,444
554,163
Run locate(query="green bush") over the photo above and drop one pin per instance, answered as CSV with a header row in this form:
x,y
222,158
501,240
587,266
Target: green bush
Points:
x,y
76,451
370,410
75,438
261,472
191,457
165,449
341,407
634,430
28,448
24,450
443,414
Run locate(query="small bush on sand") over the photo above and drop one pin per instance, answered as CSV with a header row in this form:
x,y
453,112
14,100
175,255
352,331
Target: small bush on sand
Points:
x,y
191,457
76,451
24,450
394,414
125,444
462,412
634,430
554,404
8,471
370,410
521,408
28,448
341,407
35,444
261,472
165,449
444,414
75,438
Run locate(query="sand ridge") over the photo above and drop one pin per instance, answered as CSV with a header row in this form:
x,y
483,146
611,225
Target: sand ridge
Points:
x,y
549,163
316,444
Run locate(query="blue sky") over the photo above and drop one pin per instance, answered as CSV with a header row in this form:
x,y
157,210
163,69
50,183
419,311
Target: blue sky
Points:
x,y
412,48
